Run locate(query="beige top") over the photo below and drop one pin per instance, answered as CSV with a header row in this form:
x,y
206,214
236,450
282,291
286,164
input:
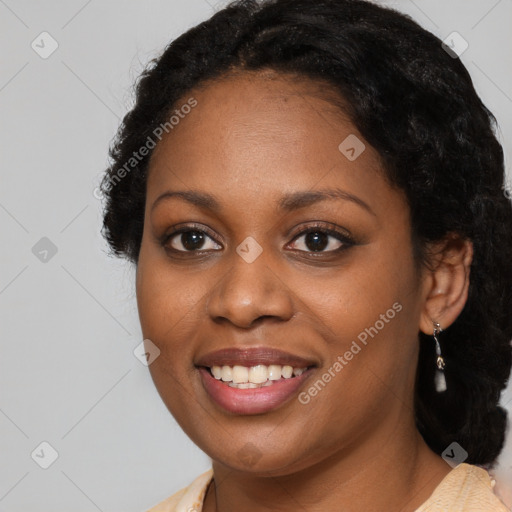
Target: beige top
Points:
x,y
466,488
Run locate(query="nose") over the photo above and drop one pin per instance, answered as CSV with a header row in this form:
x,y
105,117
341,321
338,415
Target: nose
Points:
x,y
248,293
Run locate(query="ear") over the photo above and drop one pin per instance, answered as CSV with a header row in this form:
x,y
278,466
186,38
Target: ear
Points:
x,y
446,282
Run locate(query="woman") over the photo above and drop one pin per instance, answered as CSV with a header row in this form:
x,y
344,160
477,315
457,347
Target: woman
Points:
x,y
311,192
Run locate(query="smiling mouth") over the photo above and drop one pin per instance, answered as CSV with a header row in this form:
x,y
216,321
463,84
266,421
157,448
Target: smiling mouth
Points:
x,y
248,398
253,380
258,376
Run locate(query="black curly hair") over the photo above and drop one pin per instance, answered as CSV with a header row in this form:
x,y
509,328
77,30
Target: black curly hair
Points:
x,y
416,105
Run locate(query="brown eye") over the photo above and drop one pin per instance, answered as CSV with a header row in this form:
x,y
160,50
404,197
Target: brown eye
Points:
x,y
318,240
190,240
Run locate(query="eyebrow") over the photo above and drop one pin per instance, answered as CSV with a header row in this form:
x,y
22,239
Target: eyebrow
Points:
x,y
288,203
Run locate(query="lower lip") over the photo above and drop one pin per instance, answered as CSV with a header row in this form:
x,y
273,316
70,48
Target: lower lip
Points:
x,y
251,401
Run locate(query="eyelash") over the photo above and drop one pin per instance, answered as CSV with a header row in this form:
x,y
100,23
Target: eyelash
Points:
x,y
346,240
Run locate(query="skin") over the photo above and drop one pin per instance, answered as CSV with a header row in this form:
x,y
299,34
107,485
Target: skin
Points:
x,y
252,138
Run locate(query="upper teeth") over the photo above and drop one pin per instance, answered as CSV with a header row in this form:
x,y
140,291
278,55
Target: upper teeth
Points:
x,y
255,374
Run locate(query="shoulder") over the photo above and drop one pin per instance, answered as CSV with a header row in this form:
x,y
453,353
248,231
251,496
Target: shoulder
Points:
x,y
187,499
466,488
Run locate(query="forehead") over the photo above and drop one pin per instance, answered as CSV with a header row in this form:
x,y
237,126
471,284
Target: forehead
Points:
x,y
263,133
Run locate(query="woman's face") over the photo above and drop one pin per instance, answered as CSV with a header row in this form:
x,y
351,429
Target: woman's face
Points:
x,y
292,251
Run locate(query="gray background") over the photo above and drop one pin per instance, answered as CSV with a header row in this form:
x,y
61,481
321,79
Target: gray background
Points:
x,y
69,325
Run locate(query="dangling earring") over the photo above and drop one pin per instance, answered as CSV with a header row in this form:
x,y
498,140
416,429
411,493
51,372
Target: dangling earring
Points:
x,y
440,379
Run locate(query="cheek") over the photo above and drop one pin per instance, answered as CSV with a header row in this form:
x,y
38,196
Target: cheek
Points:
x,y
352,298
166,303
368,313
170,304
369,366
166,298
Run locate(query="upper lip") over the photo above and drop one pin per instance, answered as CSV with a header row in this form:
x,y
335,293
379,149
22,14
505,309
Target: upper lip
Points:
x,y
252,357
